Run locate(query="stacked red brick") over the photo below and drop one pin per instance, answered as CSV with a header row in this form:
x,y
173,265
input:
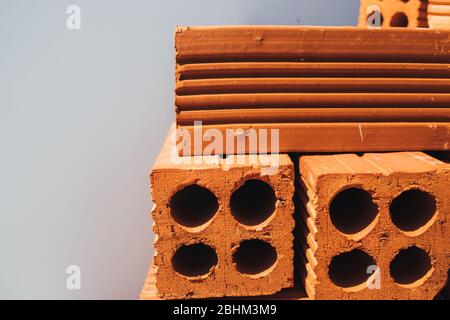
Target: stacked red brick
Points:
x,y
222,227
393,13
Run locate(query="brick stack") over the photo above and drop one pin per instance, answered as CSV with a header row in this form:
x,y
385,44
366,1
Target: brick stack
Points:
x,y
321,226
433,14
439,14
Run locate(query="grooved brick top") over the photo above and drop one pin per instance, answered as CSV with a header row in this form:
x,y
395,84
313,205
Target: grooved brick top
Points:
x,y
334,136
223,226
395,13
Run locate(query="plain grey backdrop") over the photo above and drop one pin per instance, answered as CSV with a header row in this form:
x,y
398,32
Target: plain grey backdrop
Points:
x,y
83,114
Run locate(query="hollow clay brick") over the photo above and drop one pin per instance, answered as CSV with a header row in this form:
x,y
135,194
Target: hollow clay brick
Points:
x,y
222,232
321,236
313,44
414,10
310,69
319,86
150,292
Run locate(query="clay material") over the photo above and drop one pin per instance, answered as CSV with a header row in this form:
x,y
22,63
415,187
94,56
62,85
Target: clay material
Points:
x,y
359,213
319,86
150,292
222,227
305,85
316,44
301,115
310,69
306,100
434,14
438,14
335,136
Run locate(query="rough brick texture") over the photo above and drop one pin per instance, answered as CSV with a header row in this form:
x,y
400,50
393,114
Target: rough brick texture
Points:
x,y
193,205
395,13
390,210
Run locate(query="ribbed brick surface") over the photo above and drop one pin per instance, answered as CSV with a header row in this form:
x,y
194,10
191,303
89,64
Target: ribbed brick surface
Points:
x,y
299,43
395,13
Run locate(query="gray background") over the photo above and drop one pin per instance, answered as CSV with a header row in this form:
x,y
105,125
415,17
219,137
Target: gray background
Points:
x,y
82,116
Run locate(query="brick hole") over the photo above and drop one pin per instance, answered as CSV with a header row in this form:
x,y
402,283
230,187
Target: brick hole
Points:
x,y
412,209
399,20
371,18
444,294
352,210
193,206
254,256
410,265
350,269
253,202
194,260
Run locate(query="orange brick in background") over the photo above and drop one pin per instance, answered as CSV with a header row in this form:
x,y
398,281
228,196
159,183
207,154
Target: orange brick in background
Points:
x,y
225,228
302,43
222,228
394,13
386,209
